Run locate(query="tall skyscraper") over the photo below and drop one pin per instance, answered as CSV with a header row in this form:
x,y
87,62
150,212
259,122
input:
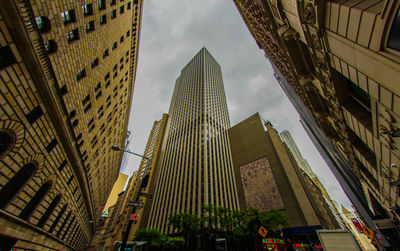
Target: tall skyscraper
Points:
x,y
196,165
67,71
291,144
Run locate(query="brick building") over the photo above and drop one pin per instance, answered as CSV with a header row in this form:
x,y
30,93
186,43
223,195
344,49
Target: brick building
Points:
x,y
67,72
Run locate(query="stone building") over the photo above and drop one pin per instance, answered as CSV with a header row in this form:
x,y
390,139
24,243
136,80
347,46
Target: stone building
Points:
x,y
268,176
342,60
67,71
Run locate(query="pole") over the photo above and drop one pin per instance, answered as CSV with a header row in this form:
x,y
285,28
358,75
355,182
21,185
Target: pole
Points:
x,y
136,154
128,229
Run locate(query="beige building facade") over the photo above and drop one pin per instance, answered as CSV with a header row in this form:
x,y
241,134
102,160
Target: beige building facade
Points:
x,y
67,73
343,60
268,177
117,188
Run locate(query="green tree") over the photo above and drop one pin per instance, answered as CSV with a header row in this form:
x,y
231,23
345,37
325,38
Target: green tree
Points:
x,y
154,237
187,224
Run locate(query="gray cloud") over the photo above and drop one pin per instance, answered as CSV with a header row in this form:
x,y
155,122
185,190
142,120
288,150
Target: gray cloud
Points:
x,y
172,33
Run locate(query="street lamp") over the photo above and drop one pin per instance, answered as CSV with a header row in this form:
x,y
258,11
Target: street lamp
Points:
x,y
117,148
134,204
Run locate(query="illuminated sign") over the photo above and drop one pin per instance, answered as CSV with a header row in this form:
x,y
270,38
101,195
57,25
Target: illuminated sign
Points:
x,y
297,245
273,240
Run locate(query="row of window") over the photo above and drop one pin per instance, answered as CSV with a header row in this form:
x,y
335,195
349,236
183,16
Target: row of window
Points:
x,y
69,16
81,74
17,182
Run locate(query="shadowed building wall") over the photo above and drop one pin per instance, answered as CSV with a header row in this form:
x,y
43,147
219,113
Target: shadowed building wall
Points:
x,y
268,176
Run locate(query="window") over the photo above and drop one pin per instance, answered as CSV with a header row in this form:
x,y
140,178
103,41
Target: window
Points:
x,y
51,145
107,84
394,36
89,26
72,221
95,63
7,139
98,95
33,115
50,46
87,108
114,45
113,14
86,99
49,211
98,86
63,164
34,202
63,90
16,183
115,67
107,76
103,19
128,6
81,75
87,9
55,222
121,9
7,57
105,53
68,16
121,39
43,24
128,33
102,4
121,60
113,2
72,35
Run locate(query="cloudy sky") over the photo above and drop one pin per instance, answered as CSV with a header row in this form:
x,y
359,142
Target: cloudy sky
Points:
x,y
172,33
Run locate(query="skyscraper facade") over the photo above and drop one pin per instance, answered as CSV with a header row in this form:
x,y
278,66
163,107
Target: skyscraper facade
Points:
x,y
291,144
67,71
196,165
342,60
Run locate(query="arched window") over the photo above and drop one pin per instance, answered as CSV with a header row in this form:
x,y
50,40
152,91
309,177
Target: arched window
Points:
x,y
7,141
36,199
63,224
15,183
68,227
49,211
60,214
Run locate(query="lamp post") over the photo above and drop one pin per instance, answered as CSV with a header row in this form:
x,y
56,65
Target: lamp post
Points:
x,y
134,205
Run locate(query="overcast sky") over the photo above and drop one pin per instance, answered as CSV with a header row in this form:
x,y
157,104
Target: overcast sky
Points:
x,y
172,33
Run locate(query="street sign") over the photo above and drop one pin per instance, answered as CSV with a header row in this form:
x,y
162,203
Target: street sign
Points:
x,y
145,195
133,217
263,231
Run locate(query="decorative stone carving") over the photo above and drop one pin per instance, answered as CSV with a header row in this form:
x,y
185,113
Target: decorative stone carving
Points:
x,y
316,42
309,14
